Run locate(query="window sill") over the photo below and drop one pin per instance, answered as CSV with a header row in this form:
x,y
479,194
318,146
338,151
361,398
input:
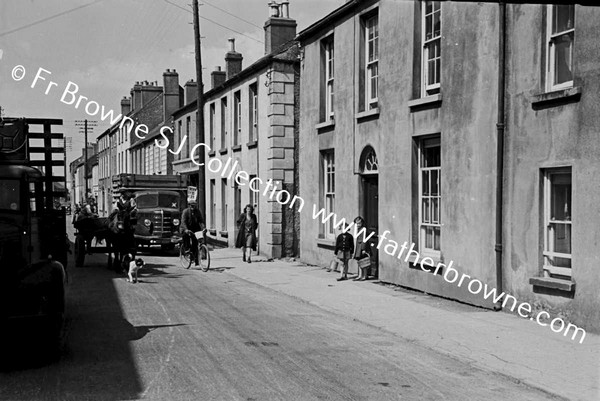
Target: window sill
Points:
x,y
367,114
212,153
429,267
212,231
556,98
325,126
236,148
425,102
554,283
325,243
223,234
252,144
223,151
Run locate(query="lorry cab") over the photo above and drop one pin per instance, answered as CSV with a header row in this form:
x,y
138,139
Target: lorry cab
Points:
x,y
158,217
33,248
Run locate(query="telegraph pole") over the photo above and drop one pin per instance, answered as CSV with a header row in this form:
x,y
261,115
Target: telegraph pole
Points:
x,y
92,124
200,119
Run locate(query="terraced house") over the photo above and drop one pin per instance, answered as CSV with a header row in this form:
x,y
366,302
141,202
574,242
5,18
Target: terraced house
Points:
x,y
466,129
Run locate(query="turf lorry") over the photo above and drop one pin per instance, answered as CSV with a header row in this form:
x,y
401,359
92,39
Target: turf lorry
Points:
x,y
33,240
160,199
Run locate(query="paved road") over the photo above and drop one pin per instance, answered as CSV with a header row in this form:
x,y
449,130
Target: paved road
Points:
x,y
189,335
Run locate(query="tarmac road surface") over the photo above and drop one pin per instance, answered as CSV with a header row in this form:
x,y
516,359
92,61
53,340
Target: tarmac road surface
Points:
x,y
189,335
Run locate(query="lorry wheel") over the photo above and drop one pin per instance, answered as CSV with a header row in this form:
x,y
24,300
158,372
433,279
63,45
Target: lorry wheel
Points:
x,y
79,251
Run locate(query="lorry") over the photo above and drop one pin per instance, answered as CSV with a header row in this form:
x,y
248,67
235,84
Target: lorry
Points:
x,y
160,200
33,239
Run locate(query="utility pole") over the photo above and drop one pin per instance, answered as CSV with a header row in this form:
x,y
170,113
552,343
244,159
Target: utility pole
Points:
x,y
92,124
200,119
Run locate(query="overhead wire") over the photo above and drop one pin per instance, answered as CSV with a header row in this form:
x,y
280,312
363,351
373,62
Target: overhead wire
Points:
x,y
214,22
48,18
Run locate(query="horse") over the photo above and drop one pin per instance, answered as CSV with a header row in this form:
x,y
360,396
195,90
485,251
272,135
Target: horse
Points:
x,y
116,230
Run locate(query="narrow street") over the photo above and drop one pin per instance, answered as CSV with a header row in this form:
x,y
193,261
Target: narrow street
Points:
x,y
185,334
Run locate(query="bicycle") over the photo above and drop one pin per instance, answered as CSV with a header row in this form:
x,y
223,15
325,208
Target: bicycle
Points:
x,y
185,254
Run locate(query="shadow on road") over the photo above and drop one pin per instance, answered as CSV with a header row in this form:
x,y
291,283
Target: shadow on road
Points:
x,y
96,359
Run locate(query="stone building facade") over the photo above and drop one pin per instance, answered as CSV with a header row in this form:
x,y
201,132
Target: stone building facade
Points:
x,y
402,106
250,126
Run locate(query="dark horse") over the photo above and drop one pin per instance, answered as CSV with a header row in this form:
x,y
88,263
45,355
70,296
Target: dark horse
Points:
x,y
116,230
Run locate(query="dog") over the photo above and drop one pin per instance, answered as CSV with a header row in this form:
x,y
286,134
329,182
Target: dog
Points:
x,y
134,267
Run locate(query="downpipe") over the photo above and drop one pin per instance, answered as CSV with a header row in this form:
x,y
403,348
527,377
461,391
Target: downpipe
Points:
x,y
500,147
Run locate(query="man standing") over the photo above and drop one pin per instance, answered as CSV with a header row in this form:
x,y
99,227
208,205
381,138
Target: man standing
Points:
x,y
192,222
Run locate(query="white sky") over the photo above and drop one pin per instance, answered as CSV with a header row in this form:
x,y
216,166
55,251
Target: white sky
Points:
x,y
104,46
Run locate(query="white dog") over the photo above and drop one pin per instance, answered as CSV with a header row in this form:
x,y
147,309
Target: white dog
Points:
x,y
134,267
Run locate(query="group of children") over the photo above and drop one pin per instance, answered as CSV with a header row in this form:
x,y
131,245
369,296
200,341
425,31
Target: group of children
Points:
x,y
346,250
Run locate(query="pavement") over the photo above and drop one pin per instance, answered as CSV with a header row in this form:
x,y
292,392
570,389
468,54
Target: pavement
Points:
x,y
495,341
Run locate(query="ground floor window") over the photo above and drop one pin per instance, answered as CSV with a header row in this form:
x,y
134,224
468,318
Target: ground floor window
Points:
x,y
327,184
213,205
430,198
224,204
557,222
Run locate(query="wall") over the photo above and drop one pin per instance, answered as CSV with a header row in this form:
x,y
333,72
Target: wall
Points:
x,y
561,134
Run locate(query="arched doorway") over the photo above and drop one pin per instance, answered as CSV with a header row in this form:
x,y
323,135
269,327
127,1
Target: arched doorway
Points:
x,y
369,202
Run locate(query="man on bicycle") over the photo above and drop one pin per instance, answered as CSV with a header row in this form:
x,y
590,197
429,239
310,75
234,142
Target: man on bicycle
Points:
x,y
191,222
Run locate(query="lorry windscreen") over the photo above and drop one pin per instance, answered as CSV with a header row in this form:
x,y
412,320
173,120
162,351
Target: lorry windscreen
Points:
x,y
9,194
157,200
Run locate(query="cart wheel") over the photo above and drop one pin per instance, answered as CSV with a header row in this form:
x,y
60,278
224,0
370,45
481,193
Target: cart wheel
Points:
x,y
79,251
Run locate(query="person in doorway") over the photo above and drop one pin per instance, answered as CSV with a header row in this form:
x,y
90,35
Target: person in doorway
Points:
x,y
344,248
361,250
246,237
192,222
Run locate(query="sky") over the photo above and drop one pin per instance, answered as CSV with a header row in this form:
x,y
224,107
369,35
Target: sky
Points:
x,y
105,46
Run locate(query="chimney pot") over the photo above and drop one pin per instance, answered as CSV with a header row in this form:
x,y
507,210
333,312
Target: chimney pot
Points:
x,y
274,8
218,68
231,44
285,9
168,70
174,70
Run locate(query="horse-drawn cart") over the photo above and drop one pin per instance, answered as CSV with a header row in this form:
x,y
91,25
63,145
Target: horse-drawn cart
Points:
x,y
114,232
83,242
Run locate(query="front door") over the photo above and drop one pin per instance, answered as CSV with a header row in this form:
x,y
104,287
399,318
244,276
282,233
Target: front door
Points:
x,y
371,215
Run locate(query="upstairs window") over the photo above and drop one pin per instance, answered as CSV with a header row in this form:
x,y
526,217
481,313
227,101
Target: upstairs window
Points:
x,y
561,34
253,112
211,134
328,61
237,118
372,61
224,123
432,37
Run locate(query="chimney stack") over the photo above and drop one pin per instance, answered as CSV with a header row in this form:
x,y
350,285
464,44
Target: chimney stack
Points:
x,y
233,60
125,106
136,96
217,77
191,91
171,89
279,28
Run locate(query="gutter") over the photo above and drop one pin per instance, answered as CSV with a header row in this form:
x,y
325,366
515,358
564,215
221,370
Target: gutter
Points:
x,y
500,146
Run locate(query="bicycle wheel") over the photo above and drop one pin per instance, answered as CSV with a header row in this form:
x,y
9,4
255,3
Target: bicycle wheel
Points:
x,y
203,257
185,257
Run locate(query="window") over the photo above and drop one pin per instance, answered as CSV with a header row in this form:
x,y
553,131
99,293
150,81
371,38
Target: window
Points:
x,y
253,191
224,123
430,199
372,59
328,191
237,118
328,57
557,222
213,204
224,204
561,33
185,151
211,135
253,112
432,37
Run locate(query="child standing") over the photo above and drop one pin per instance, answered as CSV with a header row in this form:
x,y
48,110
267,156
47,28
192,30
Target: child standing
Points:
x,y
344,249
